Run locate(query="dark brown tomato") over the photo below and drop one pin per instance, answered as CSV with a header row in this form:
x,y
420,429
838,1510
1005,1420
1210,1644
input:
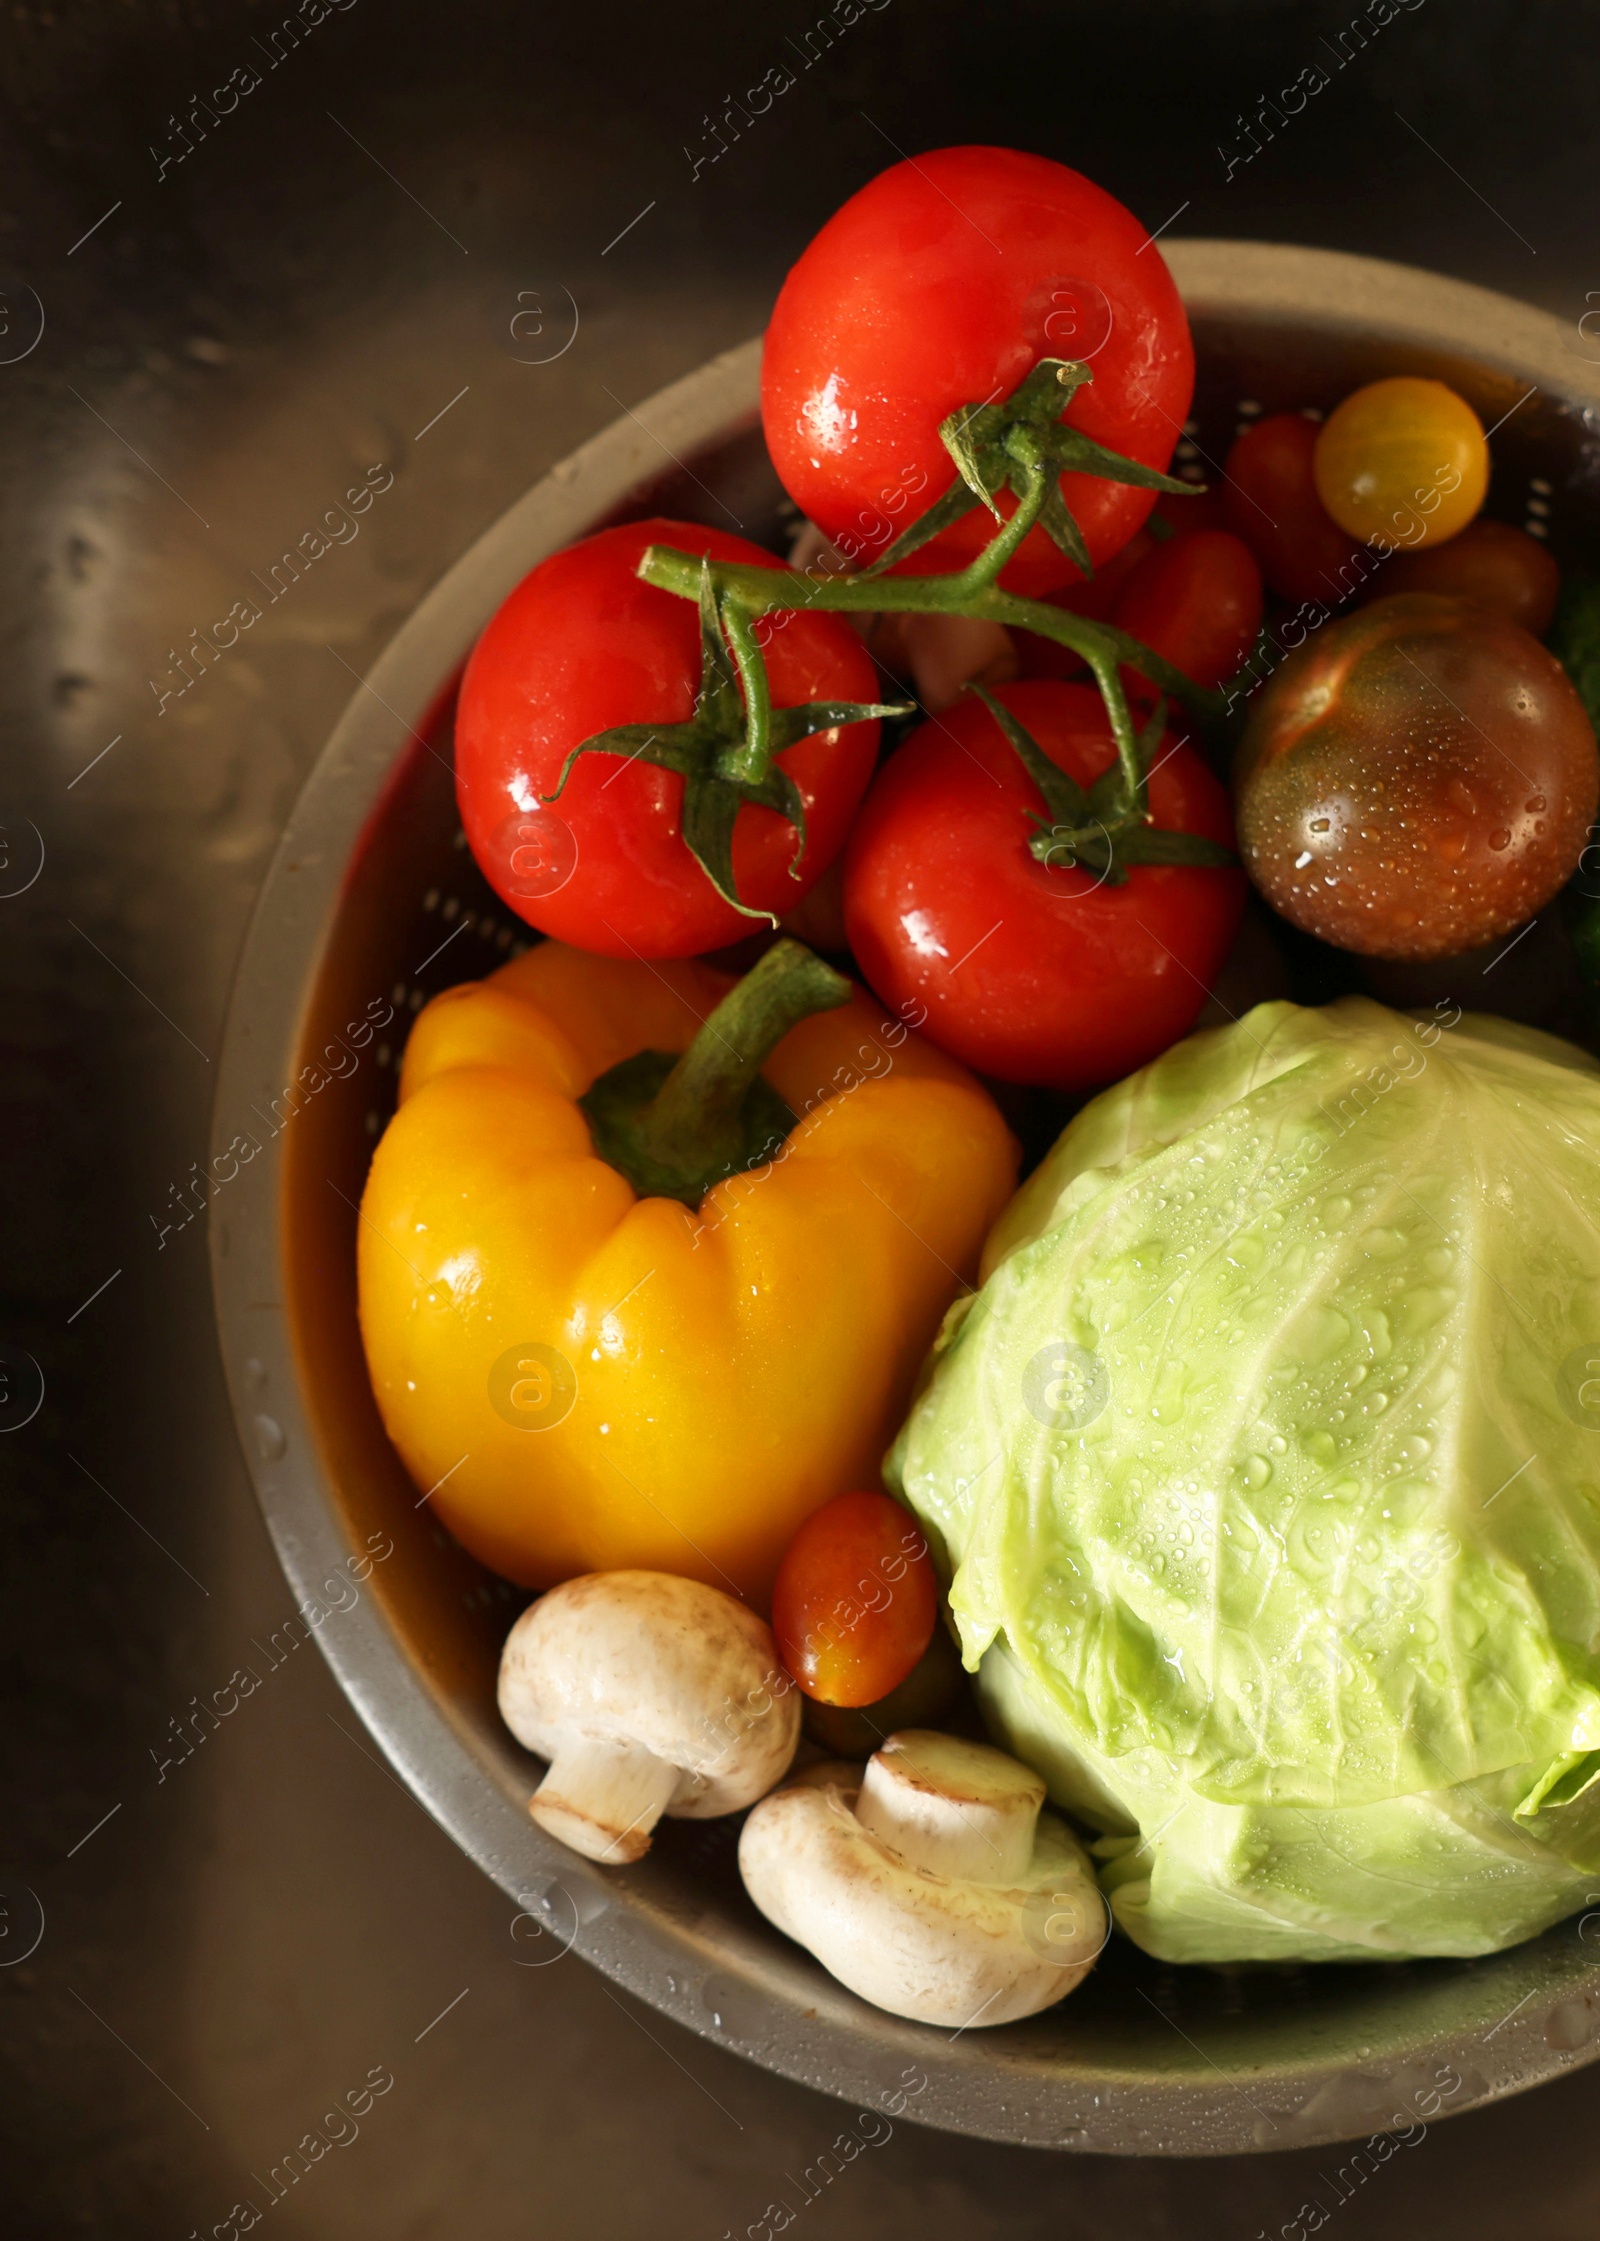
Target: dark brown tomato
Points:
x,y
1416,780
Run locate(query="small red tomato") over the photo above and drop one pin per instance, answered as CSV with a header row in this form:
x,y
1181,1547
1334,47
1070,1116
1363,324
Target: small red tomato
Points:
x,y
1043,657
856,1601
1027,971
1271,497
939,286
1197,601
583,645
1489,562
1207,509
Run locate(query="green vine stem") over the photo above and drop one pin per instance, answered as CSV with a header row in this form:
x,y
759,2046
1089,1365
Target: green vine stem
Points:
x,y
727,751
746,592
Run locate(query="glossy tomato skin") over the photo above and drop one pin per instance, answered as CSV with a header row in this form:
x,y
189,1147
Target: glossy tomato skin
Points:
x,y
938,286
1416,781
1402,462
582,645
1044,657
1270,495
1029,973
855,1601
1490,562
1197,601
1207,509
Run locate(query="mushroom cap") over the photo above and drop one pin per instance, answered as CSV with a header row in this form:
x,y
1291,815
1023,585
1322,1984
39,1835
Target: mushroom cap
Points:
x,y
938,1949
649,1659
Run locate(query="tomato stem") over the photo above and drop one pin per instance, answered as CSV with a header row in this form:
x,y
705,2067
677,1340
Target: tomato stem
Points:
x,y
676,1126
1022,445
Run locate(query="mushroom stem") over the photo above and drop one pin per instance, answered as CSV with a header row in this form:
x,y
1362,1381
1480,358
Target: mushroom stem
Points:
x,y
603,1798
957,1809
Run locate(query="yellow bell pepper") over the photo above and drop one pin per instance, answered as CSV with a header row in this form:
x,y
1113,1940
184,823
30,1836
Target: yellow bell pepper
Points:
x,y
585,1377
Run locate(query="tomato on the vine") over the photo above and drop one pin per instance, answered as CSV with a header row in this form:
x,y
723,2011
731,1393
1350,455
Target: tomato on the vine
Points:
x,y
855,1601
1196,600
1028,971
939,286
581,646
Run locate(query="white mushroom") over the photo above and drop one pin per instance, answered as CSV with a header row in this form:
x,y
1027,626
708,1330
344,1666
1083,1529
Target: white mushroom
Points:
x,y
648,1694
932,1885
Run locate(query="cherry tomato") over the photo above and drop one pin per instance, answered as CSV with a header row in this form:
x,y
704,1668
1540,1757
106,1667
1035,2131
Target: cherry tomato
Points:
x,y
1490,562
1094,597
1207,509
923,1699
1402,462
1028,972
1416,781
582,645
939,286
1272,503
1197,600
856,1601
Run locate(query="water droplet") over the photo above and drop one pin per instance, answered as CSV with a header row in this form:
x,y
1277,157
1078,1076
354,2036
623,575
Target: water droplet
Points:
x,y
1499,839
270,1442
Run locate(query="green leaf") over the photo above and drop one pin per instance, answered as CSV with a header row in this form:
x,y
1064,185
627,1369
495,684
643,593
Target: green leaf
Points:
x,y
974,458
790,725
663,744
1063,796
957,500
1081,455
709,811
1058,523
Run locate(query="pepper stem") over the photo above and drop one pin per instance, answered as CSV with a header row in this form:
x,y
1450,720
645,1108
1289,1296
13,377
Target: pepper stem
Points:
x,y
675,1126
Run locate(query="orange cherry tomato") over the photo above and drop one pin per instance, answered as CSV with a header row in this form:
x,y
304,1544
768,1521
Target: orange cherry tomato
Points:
x,y
1490,562
1272,503
1402,462
1197,601
856,1601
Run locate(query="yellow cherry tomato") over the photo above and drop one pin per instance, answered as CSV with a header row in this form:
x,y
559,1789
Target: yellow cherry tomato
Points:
x,y
1402,463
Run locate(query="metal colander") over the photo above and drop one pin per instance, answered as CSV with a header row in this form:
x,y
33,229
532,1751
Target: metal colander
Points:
x,y
373,901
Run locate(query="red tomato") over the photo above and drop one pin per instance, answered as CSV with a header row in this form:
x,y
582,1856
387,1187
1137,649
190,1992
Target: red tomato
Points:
x,y
938,286
1488,561
1031,973
1197,600
1042,657
1272,503
856,1601
1206,510
582,645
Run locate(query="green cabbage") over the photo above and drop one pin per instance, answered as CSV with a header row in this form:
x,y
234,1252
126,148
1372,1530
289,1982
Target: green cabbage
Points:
x,y
1266,1468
